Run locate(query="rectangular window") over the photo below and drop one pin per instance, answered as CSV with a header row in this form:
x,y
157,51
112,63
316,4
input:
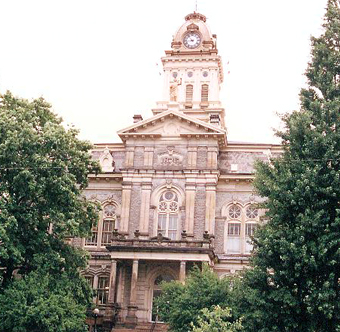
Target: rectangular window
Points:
x,y
250,229
172,231
93,239
162,224
89,280
108,227
103,290
234,229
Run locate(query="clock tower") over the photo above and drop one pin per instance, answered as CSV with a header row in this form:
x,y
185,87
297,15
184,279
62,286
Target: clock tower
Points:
x,y
193,73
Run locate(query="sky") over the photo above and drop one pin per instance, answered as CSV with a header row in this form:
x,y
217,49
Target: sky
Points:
x,y
98,61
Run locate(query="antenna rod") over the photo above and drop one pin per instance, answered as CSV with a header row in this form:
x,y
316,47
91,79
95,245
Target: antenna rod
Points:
x,y
196,7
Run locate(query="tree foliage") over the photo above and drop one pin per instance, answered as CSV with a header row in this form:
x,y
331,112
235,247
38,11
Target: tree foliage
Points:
x,y
180,304
294,284
216,320
43,170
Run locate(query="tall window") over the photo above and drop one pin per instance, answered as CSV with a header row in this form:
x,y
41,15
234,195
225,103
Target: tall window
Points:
x,y
234,229
157,292
168,214
109,218
251,214
89,280
189,93
205,92
103,290
93,239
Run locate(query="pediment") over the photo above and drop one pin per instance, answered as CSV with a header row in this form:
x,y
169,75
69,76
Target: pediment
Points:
x,y
172,124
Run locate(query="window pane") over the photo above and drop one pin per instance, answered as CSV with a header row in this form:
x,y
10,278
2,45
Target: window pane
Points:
x,y
233,245
249,246
250,229
103,290
234,229
108,227
172,235
92,240
173,222
162,223
89,280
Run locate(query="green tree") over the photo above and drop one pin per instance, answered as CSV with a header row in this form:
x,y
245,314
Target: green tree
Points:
x,y
43,170
295,281
180,304
216,320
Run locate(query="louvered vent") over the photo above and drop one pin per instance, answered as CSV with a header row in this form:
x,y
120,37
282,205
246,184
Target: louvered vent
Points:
x,y
189,93
205,92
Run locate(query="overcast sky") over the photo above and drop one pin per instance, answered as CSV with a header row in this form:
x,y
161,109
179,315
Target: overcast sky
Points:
x,y
98,62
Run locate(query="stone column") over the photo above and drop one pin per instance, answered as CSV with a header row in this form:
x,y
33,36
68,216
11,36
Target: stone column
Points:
x,y
131,317
113,276
125,215
145,208
182,267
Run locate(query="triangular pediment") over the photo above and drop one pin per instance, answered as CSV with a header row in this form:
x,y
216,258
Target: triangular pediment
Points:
x,y
176,122
172,124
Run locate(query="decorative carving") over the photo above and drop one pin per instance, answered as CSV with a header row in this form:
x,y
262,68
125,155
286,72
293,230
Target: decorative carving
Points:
x,y
195,16
170,158
174,89
106,161
192,27
115,233
206,235
184,234
137,233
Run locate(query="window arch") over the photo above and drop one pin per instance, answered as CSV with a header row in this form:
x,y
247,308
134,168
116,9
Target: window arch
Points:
x,y
252,216
234,228
109,220
101,234
168,214
156,291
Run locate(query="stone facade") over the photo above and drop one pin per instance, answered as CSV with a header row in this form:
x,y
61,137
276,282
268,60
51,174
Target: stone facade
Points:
x,y
175,192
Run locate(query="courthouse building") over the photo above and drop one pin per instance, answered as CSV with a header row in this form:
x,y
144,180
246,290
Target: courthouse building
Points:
x,y
174,192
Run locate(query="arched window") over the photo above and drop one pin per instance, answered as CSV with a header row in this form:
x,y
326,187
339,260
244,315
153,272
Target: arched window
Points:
x,y
109,218
168,208
157,292
205,92
252,214
189,93
234,229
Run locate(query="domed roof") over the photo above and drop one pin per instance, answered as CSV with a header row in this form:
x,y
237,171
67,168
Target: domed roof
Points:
x,y
194,22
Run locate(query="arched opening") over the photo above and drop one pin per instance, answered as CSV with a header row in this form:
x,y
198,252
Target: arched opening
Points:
x,y
156,291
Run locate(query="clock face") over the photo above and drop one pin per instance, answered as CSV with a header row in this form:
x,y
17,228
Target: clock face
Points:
x,y
192,40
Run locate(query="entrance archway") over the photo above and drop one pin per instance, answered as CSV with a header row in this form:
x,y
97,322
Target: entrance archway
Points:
x,y
156,291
